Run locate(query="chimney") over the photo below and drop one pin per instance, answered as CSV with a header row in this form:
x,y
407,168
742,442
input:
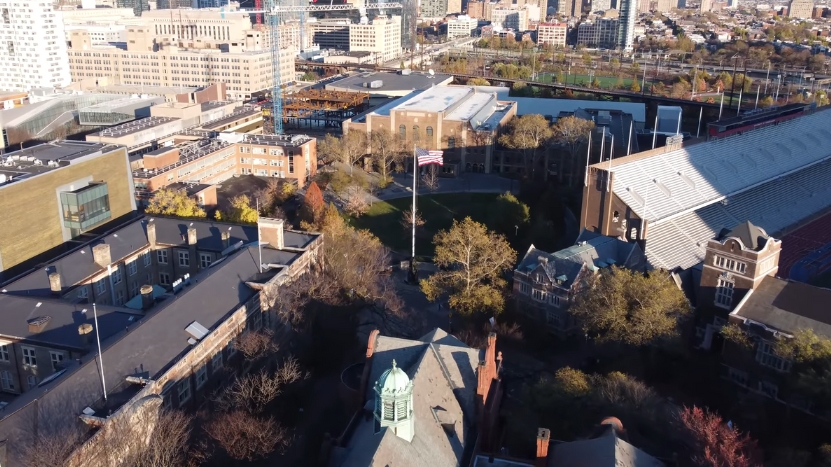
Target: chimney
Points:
x,y
55,283
543,439
38,324
490,355
191,236
271,231
370,345
146,297
226,239
151,233
85,331
101,255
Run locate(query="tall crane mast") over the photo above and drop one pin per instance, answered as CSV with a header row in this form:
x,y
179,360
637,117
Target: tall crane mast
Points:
x,y
273,11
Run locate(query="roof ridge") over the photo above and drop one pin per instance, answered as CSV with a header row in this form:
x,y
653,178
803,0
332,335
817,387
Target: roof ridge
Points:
x,y
443,367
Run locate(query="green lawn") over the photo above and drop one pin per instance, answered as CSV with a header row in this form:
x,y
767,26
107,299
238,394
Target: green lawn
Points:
x,y
605,81
438,212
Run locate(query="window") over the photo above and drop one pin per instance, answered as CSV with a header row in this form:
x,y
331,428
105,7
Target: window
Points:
x,y
83,292
769,389
451,142
291,164
766,356
32,381
201,376
232,349
402,131
554,319
524,288
57,358
184,391
539,295
184,259
724,293
132,268
29,357
100,286
429,131
737,376
134,289
119,298
116,275
216,362
4,352
161,256
164,278
730,264
6,380
554,299
146,257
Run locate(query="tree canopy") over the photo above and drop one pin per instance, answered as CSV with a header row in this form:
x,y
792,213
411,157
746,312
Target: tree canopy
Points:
x,y
527,133
472,262
312,203
386,151
241,211
630,307
509,213
571,132
168,202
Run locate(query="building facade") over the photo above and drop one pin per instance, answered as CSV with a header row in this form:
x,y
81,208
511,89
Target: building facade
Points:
x,y
438,9
462,26
552,34
602,32
76,186
33,52
381,36
627,19
801,9
510,18
330,33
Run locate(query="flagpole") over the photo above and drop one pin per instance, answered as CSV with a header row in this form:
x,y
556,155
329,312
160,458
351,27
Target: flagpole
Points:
x,y
629,143
611,155
588,156
413,273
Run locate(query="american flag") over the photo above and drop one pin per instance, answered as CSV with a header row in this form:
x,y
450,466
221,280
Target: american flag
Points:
x,y
426,157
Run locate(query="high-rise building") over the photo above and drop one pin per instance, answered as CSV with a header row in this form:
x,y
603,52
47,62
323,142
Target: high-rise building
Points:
x,y
439,8
229,26
173,4
569,8
552,34
602,32
664,6
381,36
801,9
706,6
601,5
510,18
33,46
137,5
626,23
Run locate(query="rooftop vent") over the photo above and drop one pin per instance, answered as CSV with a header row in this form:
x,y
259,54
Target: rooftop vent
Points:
x,y
197,330
38,324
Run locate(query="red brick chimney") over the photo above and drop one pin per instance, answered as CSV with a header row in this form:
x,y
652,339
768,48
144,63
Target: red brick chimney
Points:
x,y
486,371
543,439
370,350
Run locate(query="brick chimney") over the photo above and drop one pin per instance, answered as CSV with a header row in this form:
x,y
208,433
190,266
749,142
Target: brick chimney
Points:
x,y
101,255
226,239
146,297
486,372
271,231
151,233
370,351
543,440
55,283
85,332
192,236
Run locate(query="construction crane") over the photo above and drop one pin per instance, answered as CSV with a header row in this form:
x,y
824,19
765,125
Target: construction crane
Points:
x,y
273,11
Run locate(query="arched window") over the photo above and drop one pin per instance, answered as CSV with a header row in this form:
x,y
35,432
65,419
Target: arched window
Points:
x,y
429,131
416,134
451,142
402,131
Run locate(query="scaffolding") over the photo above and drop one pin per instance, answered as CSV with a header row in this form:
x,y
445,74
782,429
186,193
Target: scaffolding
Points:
x,y
311,108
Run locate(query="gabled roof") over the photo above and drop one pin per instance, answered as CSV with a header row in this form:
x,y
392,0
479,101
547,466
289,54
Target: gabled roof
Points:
x,y
787,306
659,186
607,450
443,372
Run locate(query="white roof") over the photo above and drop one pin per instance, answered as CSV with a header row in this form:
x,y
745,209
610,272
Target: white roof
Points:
x,y
435,99
662,186
471,106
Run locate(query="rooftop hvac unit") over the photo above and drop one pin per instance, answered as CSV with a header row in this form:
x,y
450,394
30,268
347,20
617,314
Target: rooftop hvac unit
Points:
x,y
376,84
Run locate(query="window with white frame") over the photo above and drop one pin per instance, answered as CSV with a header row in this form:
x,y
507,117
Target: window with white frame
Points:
x,y
729,264
554,299
29,357
201,376
7,380
132,268
216,362
766,355
164,278
524,288
146,258
184,259
83,292
168,402
539,295
32,381
119,298
724,292
769,389
100,286
554,319
232,349
116,275
4,352
184,391
205,260
161,256
134,289
57,359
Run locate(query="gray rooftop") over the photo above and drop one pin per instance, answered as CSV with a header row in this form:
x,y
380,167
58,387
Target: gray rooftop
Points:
x,y
443,372
19,165
396,82
238,114
135,126
607,450
787,306
292,141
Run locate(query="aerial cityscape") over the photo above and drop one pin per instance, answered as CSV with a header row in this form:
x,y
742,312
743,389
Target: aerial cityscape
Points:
x,y
427,233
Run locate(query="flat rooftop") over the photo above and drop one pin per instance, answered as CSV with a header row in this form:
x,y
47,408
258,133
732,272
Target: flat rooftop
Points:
x,y
390,81
277,140
159,90
436,99
188,152
18,165
245,112
135,126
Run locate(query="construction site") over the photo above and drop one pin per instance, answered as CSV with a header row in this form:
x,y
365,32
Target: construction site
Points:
x,y
317,108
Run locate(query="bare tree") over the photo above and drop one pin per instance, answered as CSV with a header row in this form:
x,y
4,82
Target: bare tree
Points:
x,y
430,178
17,135
407,220
247,437
254,392
356,202
168,444
52,446
386,151
256,344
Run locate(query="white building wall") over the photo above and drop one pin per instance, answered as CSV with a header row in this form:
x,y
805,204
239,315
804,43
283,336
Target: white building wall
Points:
x,y
32,46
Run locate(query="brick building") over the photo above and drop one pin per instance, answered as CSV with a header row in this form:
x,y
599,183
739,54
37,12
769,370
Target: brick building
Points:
x,y
552,34
199,286
460,120
53,193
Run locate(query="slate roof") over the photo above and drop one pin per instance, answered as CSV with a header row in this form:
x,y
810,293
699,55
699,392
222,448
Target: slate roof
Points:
x,y
593,250
443,372
607,450
751,236
787,306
